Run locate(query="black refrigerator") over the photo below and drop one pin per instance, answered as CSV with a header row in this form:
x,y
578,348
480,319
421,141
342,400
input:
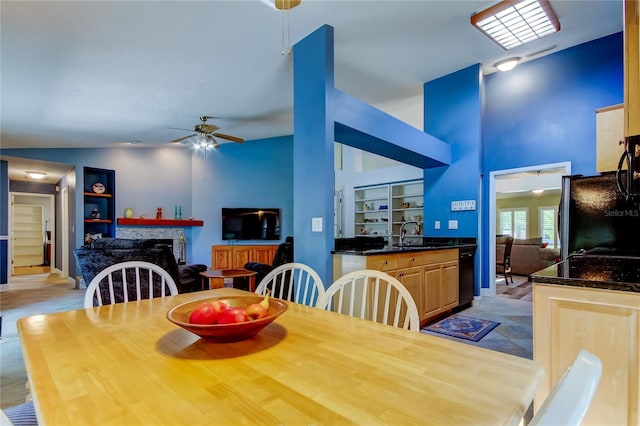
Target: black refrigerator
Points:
x,y
595,218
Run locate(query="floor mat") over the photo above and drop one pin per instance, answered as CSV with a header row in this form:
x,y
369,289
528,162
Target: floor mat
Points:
x,y
463,327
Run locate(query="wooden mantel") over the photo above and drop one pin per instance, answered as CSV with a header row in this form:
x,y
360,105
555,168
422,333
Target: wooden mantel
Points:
x,y
159,222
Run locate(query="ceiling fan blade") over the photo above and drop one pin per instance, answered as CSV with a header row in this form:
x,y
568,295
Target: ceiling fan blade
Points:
x,y
183,138
179,128
228,137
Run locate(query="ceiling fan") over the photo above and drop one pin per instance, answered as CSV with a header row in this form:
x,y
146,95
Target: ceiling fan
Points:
x,y
207,135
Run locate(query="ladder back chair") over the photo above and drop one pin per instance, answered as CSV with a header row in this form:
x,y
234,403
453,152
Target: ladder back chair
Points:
x,y
295,282
375,296
125,281
569,400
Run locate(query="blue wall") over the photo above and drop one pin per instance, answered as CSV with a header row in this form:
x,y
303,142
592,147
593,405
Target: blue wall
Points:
x,y
543,112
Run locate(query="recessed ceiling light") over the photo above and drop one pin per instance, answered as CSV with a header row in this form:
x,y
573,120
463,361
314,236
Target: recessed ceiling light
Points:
x,y
508,64
514,23
36,175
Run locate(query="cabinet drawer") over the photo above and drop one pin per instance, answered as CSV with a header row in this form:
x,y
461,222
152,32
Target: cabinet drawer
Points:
x,y
382,263
408,260
439,256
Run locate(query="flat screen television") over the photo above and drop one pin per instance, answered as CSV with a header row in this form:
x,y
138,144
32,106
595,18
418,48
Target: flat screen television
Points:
x,y
250,224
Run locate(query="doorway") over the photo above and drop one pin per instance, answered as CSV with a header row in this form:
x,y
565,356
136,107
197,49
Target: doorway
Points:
x,y
32,231
514,179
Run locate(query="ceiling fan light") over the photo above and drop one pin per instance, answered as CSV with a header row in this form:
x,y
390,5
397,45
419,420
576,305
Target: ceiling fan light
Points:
x,y
36,175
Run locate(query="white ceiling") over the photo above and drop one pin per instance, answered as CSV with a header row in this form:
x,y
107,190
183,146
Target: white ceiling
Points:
x,y
102,73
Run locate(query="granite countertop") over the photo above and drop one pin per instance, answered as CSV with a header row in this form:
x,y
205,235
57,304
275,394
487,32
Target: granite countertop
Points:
x,y
603,272
404,249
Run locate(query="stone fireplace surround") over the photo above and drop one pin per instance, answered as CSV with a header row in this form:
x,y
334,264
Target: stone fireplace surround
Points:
x,y
159,233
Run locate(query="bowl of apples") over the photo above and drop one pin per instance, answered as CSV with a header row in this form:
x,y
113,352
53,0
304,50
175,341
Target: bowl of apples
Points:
x,y
227,319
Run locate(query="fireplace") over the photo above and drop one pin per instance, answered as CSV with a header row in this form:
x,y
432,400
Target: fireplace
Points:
x,y
173,237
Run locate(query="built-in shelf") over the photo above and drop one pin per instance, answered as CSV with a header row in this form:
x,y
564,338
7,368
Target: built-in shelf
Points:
x,y
96,195
98,221
159,222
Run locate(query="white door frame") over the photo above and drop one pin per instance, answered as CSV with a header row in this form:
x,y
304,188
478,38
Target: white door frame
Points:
x,y
64,230
51,220
491,291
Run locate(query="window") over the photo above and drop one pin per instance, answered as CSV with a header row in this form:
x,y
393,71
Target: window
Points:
x,y
548,226
514,222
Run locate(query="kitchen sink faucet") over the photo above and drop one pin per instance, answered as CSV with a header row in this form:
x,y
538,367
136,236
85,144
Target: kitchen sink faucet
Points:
x,y
403,231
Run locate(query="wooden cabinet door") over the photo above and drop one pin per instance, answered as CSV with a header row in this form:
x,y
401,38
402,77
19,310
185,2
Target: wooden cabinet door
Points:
x,y
432,291
567,319
450,287
609,137
221,257
411,278
263,254
241,255
632,67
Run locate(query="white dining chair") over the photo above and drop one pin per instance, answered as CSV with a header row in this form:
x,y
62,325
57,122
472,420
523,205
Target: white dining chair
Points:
x,y
19,415
127,281
372,295
295,282
569,400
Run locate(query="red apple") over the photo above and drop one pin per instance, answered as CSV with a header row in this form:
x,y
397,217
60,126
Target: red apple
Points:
x,y
205,313
256,311
219,305
232,316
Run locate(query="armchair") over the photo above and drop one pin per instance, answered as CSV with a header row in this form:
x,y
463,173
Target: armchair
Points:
x,y
103,252
284,254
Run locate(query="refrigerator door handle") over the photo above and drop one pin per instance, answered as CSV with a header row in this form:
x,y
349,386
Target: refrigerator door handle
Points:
x,y
621,187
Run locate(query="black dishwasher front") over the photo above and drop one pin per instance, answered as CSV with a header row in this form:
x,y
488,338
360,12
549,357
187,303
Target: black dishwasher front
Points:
x,y
466,278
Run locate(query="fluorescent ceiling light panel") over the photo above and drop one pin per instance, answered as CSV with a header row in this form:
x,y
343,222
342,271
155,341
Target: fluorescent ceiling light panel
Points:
x,y
512,23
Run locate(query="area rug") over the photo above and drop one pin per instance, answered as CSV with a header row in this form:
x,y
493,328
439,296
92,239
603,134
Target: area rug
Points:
x,y
463,327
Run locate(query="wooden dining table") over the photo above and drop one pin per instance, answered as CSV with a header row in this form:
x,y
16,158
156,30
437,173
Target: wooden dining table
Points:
x,y
126,364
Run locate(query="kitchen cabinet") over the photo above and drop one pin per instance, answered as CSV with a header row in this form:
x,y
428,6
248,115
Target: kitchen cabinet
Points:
x,y
382,209
609,137
604,322
28,235
430,276
631,67
99,203
235,257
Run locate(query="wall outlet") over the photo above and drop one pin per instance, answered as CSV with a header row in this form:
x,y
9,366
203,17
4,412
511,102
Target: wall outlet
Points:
x,y
453,224
436,224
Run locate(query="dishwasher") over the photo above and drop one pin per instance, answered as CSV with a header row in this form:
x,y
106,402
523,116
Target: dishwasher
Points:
x,y
466,278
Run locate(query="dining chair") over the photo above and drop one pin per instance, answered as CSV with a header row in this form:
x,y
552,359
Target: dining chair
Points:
x,y
295,282
372,295
19,415
503,256
129,281
568,401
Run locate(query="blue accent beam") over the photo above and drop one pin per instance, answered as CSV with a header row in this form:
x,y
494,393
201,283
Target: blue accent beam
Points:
x,y
362,126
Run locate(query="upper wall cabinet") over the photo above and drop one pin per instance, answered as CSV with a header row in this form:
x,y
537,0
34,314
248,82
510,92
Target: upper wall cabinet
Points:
x,y
609,137
99,203
632,67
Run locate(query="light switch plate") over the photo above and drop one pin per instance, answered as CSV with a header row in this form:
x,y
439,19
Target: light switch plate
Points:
x,y
316,224
453,224
436,225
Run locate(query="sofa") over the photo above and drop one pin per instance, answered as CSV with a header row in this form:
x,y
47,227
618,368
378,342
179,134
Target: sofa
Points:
x,y
102,252
528,256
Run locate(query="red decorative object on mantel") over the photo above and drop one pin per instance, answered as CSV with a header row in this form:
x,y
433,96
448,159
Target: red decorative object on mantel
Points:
x,y
159,222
